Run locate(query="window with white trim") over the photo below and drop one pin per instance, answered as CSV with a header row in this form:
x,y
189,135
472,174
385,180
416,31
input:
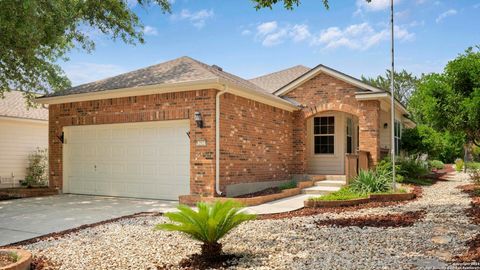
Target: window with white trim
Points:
x,y
324,135
398,136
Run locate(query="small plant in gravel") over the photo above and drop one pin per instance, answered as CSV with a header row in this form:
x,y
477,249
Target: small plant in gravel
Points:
x,y
368,182
475,176
459,164
208,225
288,185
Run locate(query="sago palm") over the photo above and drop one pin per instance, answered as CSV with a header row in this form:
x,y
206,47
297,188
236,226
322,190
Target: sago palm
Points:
x,y
209,224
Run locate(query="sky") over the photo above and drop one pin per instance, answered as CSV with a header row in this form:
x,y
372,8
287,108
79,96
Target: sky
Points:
x,y
352,36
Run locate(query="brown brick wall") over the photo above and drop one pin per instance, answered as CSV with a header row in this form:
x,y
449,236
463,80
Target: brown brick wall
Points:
x,y
158,107
326,93
256,141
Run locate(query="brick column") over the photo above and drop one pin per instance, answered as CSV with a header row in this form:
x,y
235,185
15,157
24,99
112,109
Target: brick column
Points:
x,y
299,162
369,122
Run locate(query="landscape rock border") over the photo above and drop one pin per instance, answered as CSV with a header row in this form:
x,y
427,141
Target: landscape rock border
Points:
x,y
24,261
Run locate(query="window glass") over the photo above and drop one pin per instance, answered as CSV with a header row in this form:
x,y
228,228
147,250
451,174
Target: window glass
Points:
x,y
324,135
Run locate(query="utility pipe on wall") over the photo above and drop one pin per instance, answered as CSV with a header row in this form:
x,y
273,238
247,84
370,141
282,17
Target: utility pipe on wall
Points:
x,y
217,140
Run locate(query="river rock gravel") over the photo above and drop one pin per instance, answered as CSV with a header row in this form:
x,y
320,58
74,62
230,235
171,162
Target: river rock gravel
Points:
x,y
295,243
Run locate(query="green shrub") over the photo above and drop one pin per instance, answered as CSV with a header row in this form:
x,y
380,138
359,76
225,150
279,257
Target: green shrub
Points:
x,y
37,170
436,164
473,165
209,224
368,182
288,185
475,176
385,165
459,164
412,167
345,193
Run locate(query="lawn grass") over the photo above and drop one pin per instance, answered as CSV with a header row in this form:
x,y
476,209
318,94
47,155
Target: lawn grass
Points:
x,y
345,193
288,185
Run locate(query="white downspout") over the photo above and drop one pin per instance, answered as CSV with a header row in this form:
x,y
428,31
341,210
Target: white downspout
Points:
x,y
217,140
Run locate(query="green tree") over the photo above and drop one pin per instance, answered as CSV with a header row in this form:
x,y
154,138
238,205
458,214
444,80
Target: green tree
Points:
x,y
288,4
35,34
450,101
405,83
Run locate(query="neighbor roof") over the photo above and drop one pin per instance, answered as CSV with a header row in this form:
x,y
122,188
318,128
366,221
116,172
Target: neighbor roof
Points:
x,y
14,105
180,70
274,81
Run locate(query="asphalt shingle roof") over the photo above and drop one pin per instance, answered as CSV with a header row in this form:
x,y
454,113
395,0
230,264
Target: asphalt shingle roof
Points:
x,y
274,81
13,105
180,70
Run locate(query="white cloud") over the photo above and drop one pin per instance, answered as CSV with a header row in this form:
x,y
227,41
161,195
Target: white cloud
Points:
x,y
246,32
150,31
197,18
300,32
267,28
375,5
87,72
358,36
271,34
448,13
476,5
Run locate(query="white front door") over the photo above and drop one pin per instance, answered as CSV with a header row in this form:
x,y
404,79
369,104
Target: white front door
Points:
x,y
143,160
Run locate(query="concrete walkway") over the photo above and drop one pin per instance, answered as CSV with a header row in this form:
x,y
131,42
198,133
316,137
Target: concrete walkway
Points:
x,y
279,206
23,219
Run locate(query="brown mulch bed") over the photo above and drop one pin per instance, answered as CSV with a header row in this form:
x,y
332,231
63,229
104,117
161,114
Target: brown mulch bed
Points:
x,y
7,197
58,235
389,220
473,253
264,192
198,262
42,263
310,211
6,258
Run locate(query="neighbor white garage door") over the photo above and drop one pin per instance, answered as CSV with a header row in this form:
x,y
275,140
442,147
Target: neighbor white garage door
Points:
x,y
143,160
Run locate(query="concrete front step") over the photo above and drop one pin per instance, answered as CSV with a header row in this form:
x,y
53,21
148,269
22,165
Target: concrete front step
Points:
x,y
320,190
318,177
331,183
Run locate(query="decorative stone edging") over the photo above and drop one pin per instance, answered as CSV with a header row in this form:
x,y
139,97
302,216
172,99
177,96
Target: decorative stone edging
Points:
x,y
252,201
371,198
24,192
23,263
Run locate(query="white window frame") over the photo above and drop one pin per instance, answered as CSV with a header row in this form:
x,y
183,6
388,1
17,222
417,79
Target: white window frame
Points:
x,y
324,135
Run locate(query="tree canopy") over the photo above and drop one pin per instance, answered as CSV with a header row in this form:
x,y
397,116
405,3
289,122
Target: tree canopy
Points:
x,y
287,4
35,34
404,86
450,101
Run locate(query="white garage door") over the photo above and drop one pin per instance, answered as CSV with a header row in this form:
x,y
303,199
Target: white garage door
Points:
x,y
143,160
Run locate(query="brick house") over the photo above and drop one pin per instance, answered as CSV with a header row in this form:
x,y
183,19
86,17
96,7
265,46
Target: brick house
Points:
x,y
187,128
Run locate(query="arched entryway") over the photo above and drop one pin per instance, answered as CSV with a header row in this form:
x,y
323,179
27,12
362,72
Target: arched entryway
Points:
x,y
330,135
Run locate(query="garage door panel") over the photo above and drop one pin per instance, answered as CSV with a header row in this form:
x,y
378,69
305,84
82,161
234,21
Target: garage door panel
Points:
x,y
147,160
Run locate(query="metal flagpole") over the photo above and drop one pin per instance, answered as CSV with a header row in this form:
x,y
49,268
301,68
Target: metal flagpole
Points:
x,y
392,94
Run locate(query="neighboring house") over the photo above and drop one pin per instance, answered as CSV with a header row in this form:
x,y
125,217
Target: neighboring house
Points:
x,y
22,130
184,127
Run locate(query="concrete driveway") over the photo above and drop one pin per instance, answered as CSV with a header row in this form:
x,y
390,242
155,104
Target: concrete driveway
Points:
x,y
31,217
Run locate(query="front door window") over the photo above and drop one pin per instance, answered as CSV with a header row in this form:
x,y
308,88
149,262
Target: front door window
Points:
x,y
324,134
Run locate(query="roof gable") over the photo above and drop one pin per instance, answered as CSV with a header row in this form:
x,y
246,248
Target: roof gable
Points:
x,y
329,71
273,81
